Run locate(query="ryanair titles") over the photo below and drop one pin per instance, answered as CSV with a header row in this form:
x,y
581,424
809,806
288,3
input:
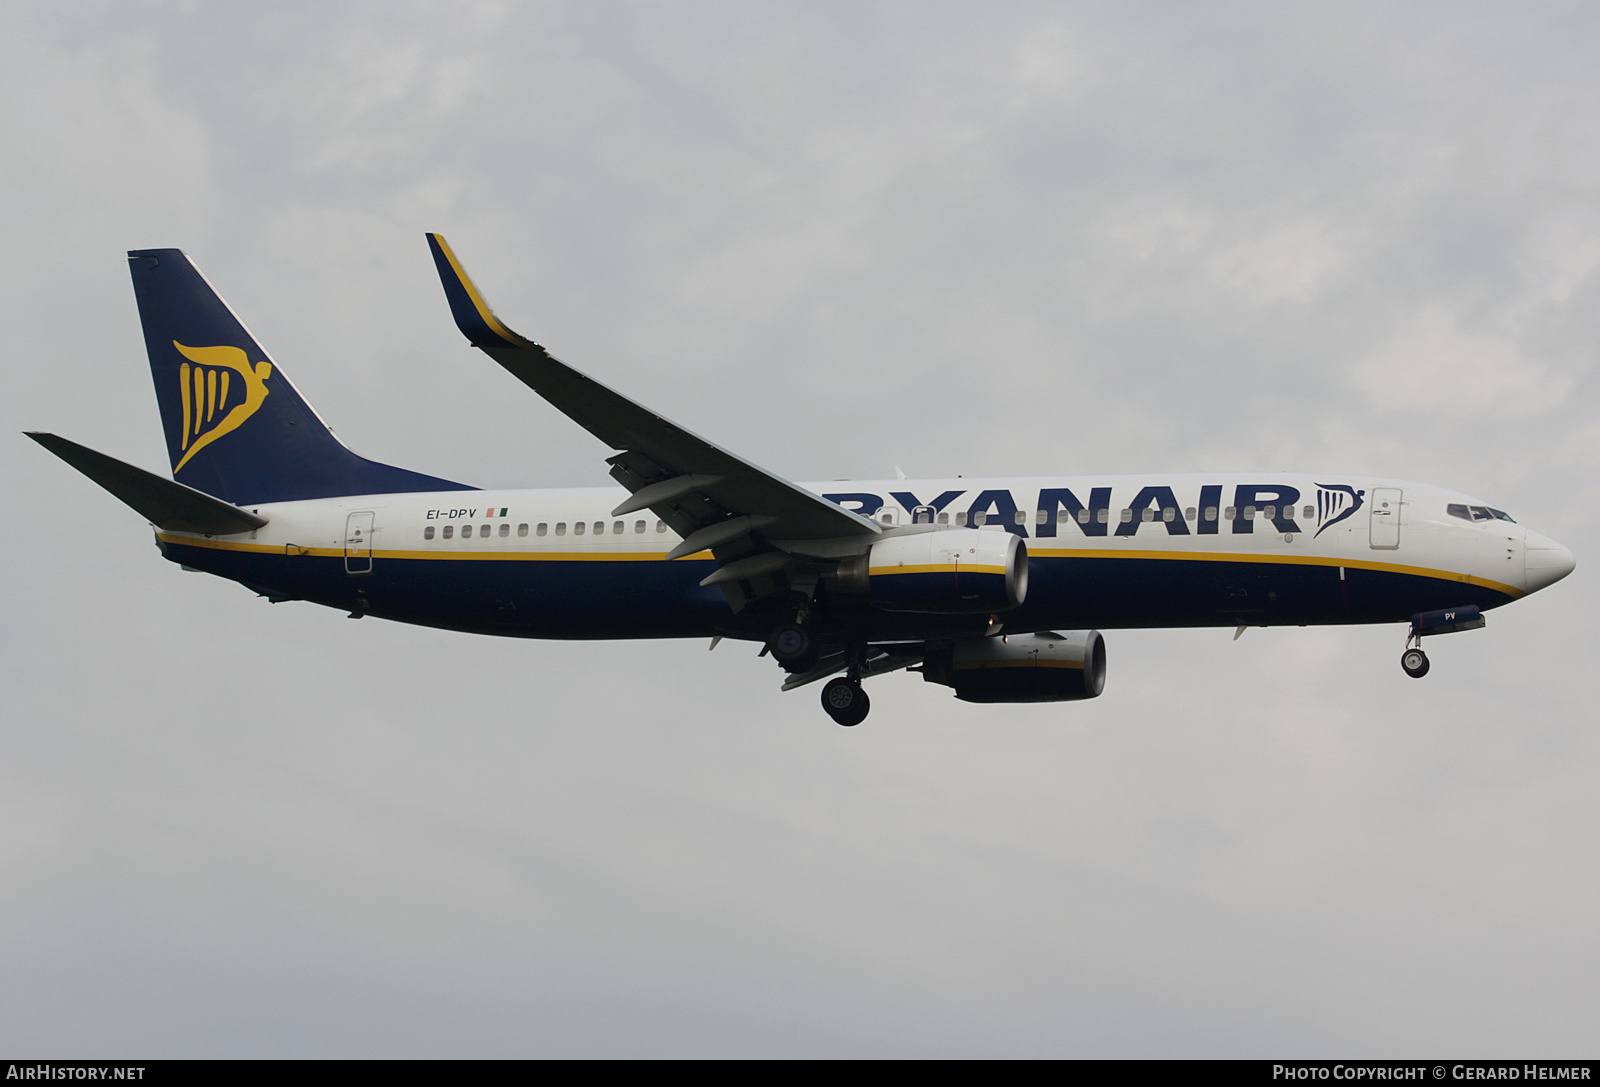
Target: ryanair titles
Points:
x,y
1154,508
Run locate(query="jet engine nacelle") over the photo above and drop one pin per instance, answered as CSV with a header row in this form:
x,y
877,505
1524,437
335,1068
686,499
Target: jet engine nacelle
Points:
x,y
951,572
1049,667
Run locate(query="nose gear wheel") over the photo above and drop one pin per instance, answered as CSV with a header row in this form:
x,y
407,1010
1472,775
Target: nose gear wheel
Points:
x,y
1415,663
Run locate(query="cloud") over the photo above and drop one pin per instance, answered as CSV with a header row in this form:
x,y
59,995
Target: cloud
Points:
x,y
1435,368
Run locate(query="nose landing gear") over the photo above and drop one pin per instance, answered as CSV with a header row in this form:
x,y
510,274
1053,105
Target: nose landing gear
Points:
x,y
1415,662
1443,621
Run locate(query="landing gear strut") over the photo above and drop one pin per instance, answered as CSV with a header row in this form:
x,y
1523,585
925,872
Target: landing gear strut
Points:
x,y
845,701
1414,661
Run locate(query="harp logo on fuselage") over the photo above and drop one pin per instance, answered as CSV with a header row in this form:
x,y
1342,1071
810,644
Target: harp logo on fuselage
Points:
x,y
219,392
1336,502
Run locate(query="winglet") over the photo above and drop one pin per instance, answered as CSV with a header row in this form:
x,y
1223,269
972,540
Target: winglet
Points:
x,y
473,316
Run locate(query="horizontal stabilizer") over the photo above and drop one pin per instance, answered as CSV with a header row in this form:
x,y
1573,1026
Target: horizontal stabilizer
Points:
x,y
163,502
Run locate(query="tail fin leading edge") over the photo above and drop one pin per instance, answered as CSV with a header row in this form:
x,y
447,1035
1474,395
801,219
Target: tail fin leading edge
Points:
x,y
235,426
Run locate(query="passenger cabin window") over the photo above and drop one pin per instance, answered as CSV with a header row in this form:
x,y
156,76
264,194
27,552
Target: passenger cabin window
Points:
x,y
522,530
427,533
466,532
599,528
1249,513
1021,517
449,530
578,528
1188,514
1147,514
1103,515
561,528
961,517
1211,513
1230,514
505,529
544,527
1168,514
1126,516
944,518
661,526
1308,512
483,530
638,528
1269,513
617,528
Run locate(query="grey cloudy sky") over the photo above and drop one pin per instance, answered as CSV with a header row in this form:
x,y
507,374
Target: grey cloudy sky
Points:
x,y
996,239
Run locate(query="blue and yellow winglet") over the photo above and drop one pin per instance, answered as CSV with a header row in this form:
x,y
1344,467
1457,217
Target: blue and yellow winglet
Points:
x,y
473,316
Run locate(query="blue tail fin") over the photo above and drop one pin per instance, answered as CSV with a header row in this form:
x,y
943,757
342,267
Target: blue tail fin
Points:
x,y
236,428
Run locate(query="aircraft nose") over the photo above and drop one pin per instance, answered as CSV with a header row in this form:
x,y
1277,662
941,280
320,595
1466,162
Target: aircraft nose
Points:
x,y
1545,562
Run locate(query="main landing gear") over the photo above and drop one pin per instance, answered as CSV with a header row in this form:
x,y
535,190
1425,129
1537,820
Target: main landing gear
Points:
x,y
846,701
793,648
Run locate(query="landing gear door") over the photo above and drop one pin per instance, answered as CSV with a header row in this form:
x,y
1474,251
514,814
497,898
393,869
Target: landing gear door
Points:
x,y
1385,518
358,543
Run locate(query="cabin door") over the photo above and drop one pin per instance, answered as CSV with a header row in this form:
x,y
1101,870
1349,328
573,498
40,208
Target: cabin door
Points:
x,y
358,543
1385,518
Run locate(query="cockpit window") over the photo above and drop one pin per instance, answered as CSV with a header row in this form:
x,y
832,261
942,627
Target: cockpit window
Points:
x,y
1476,513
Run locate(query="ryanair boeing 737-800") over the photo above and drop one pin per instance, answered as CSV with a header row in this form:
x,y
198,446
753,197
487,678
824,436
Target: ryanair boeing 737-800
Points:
x,y
994,587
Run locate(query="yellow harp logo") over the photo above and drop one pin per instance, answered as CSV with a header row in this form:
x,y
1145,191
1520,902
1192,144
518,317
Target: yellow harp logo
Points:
x,y
207,388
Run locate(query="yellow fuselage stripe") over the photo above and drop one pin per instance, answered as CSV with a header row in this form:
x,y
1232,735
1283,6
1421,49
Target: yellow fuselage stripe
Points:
x,y
966,666
937,568
1280,560
467,556
1039,553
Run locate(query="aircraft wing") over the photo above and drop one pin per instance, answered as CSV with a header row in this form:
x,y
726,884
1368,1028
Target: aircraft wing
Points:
x,y
708,495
